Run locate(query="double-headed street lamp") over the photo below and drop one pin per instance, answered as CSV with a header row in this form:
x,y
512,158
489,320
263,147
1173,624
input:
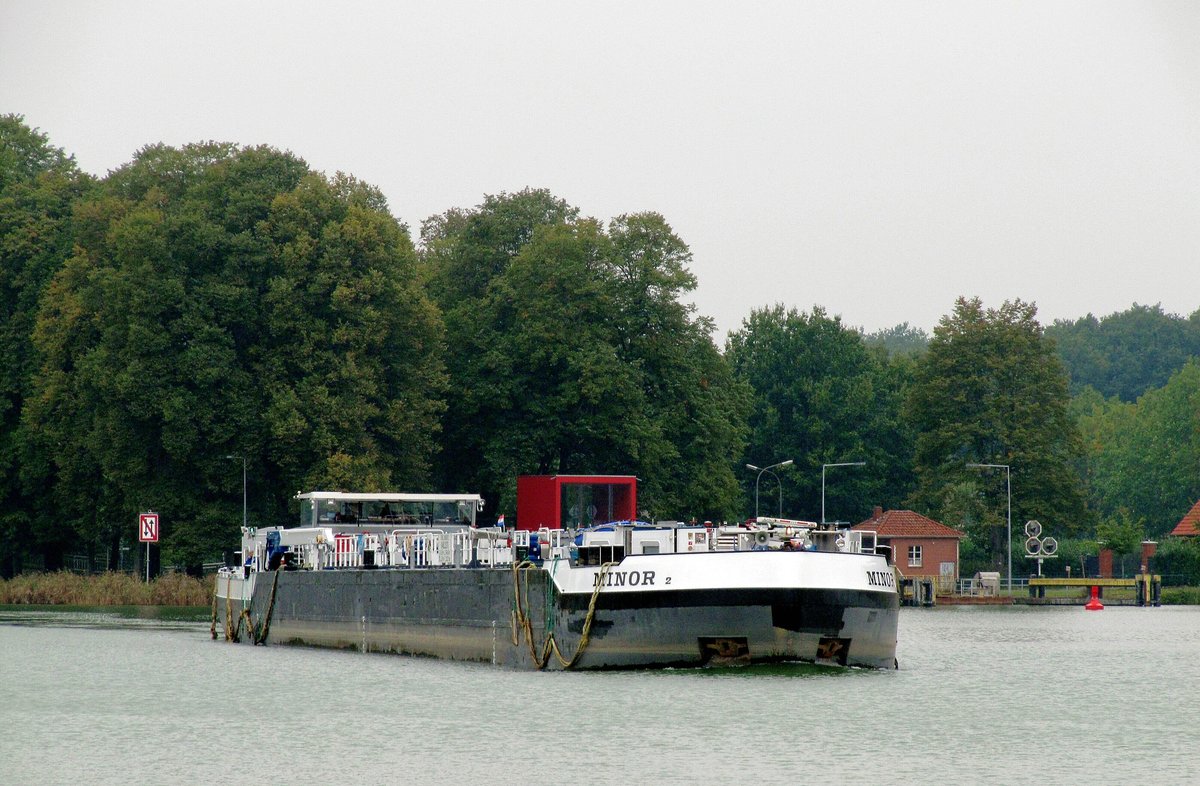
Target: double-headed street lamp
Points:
x,y
1008,480
243,460
778,482
823,467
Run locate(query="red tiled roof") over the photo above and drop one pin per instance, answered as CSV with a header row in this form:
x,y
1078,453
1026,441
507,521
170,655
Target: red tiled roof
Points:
x,y
907,524
1190,523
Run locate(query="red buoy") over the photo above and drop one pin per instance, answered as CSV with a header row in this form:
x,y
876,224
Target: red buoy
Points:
x,y
1094,604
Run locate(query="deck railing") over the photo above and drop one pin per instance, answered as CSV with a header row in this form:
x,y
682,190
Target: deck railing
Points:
x,y
323,548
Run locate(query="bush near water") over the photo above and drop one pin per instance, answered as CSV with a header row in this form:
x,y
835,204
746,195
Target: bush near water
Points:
x,y
1181,596
106,589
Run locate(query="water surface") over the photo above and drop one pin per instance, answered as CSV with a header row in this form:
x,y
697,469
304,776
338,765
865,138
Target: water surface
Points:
x,y
1006,695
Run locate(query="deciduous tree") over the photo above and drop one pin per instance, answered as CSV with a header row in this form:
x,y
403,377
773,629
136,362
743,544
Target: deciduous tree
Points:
x,y
822,397
1143,456
1126,353
39,185
570,351
226,301
992,390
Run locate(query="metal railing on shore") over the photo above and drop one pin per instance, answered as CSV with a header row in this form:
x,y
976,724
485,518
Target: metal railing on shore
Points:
x,y
975,587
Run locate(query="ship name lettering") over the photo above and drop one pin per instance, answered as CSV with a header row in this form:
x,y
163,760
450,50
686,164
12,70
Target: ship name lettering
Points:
x,y
626,578
880,578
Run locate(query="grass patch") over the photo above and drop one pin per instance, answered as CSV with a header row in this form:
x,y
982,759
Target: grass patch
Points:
x,y
105,589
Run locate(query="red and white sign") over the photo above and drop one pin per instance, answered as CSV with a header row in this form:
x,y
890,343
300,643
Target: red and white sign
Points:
x,y
148,527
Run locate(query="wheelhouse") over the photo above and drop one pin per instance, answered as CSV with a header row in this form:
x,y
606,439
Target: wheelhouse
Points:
x,y
326,508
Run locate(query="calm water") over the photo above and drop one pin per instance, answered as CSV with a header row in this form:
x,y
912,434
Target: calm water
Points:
x,y
1013,695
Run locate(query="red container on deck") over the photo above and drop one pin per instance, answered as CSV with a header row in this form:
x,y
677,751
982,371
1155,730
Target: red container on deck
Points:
x,y
558,501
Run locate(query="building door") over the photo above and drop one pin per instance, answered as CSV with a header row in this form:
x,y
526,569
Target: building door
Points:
x,y
946,577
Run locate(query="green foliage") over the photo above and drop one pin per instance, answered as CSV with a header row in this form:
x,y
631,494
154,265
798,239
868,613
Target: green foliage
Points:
x,y
820,397
974,556
1180,596
1071,553
570,351
39,186
1127,353
1178,562
213,301
462,253
903,339
1121,532
963,502
225,301
990,390
1142,456
26,155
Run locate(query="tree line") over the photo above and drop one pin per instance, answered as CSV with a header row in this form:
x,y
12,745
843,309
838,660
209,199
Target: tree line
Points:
x,y
209,305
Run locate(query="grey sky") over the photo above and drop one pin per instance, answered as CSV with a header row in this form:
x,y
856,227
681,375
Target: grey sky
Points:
x,y
878,159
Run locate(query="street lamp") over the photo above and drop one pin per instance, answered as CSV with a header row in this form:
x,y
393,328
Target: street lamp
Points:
x,y
778,482
823,467
243,460
1008,479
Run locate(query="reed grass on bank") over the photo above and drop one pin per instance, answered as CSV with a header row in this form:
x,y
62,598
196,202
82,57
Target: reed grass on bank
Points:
x,y
105,589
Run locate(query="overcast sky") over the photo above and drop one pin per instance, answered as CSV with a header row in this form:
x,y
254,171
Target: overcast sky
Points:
x,y
877,159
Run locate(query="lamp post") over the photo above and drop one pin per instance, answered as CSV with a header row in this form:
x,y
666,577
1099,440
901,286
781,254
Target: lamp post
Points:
x,y
778,482
823,468
1008,481
243,460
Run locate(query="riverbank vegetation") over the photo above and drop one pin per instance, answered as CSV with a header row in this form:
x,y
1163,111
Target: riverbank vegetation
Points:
x,y
1180,596
63,588
210,308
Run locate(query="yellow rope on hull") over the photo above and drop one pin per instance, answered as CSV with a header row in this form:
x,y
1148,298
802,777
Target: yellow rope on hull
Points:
x,y
234,632
521,621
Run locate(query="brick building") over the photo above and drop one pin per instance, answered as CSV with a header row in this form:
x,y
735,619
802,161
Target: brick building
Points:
x,y
921,547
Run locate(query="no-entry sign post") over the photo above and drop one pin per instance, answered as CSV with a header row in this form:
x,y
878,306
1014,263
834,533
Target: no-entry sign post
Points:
x,y
148,533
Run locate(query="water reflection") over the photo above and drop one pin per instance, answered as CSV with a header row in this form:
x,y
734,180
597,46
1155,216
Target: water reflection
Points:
x,y
764,670
106,617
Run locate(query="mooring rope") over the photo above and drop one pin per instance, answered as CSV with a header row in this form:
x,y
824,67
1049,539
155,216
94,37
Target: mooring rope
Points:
x,y
585,638
550,644
261,637
249,625
213,627
229,607
233,633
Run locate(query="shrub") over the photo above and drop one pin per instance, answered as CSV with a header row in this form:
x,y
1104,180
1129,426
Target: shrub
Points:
x,y
1178,562
1180,596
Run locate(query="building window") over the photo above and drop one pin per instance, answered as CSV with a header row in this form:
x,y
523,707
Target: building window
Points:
x,y
914,556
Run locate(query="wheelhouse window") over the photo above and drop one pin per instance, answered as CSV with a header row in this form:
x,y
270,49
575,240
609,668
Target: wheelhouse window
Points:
x,y
322,510
914,556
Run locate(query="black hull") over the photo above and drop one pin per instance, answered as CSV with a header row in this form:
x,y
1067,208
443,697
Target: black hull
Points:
x,y
475,615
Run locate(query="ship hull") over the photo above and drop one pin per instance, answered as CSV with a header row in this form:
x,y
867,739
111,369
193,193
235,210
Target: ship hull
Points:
x,y
683,610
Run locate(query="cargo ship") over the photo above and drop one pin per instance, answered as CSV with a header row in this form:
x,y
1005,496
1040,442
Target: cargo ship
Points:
x,y
579,583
